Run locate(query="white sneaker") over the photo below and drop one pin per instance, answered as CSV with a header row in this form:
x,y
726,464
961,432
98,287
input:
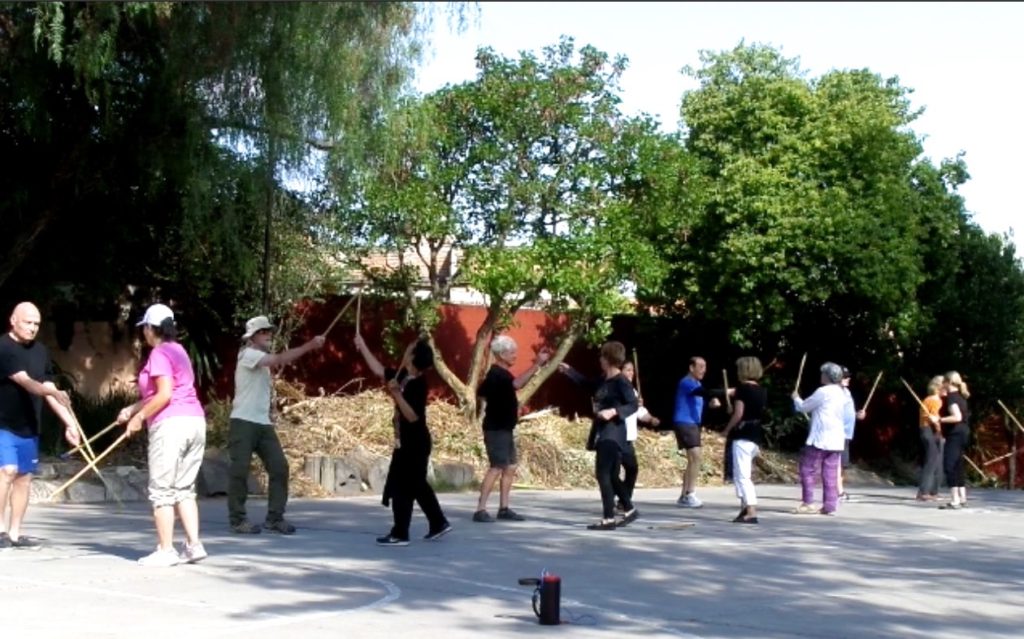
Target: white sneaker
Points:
x,y
192,553
689,501
161,558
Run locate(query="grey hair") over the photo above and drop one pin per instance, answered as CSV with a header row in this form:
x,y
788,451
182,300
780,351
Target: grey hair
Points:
x,y
502,344
833,371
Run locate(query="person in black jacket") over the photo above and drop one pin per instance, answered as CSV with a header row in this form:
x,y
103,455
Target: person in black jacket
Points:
x,y
614,401
407,474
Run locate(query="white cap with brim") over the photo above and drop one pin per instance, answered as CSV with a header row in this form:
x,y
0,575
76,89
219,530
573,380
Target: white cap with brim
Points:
x,y
156,314
256,324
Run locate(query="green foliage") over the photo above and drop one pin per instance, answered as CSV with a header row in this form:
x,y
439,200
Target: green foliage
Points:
x,y
523,170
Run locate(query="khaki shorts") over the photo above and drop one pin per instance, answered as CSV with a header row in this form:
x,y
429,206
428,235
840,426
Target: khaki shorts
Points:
x,y
176,447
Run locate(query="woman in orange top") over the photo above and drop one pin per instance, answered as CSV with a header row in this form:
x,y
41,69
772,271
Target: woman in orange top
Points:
x,y
931,438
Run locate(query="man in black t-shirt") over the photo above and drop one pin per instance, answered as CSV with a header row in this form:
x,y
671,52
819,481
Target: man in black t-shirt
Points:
x,y
496,397
25,380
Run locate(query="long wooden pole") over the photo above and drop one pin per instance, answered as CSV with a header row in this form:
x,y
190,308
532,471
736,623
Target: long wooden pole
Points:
x,y
91,464
1010,414
359,309
340,313
636,373
103,432
914,395
90,456
980,471
725,382
800,373
872,392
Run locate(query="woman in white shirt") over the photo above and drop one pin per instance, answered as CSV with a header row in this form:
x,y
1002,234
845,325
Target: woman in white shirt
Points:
x,y
825,442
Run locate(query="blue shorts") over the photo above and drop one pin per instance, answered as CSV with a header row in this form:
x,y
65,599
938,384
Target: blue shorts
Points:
x,y
22,452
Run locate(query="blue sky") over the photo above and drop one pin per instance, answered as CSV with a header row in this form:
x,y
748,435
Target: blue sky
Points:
x,y
962,60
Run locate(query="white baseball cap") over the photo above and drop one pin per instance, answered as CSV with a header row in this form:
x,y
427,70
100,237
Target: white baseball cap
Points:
x,y
156,314
256,324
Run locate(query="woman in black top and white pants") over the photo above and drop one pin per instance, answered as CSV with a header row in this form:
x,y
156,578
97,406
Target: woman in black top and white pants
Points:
x,y
956,429
748,402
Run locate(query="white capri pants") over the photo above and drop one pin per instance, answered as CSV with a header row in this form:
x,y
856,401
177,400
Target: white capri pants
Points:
x,y
743,453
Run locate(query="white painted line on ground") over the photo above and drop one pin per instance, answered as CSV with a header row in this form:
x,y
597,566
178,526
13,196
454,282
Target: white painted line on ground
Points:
x,y
941,536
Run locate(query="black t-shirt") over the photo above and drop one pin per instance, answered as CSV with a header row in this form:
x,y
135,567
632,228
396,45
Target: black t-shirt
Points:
x,y
965,415
614,392
414,391
754,398
499,391
20,410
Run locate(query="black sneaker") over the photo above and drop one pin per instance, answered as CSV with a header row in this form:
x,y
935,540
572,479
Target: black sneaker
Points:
x,y
629,518
26,543
389,540
482,516
603,525
441,532
510,515
280,526
245,527
5,541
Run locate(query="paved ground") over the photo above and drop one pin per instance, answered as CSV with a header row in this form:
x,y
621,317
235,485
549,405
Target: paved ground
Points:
x,y
885,567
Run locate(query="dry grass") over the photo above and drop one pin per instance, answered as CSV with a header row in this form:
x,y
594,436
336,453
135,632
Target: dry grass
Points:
x,y
551,448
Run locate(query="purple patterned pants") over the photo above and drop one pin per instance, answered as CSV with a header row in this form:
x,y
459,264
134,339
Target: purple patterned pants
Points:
x,y
815,462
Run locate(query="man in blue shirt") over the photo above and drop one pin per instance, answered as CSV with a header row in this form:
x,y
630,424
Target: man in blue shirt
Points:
x,y
690,395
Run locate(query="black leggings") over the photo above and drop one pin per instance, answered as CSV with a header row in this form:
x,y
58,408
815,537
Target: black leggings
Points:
x,y
606,470
631,469
409,469
953,460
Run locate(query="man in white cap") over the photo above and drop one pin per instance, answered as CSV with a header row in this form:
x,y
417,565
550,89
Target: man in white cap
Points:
x,y
25,381
252,430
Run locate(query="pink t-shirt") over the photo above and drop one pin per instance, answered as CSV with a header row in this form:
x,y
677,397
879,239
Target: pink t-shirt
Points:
x,y
170,360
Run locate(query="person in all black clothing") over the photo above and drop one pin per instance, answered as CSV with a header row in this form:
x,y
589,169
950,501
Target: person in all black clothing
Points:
x,y
747,432
614,401
407,474
956,429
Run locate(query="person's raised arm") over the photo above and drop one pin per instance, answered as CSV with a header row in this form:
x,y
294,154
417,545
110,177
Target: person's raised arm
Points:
x,y
274,360
522,380
375,366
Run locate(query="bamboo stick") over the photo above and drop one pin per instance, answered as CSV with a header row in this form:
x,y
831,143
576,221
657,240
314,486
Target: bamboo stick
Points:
x,y
980,471
103,432
800,373
725,382
872,393
91,464
90,456
338,316
914,395
359,309
1010,414
636,373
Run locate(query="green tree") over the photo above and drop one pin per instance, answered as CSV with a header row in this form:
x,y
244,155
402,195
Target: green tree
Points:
x,y
810,220
154,144
527,171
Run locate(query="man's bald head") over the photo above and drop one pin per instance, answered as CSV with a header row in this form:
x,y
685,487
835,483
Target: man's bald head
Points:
x,y
25,322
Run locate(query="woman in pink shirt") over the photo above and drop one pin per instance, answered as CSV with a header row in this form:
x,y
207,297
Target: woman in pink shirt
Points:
x,y
177,437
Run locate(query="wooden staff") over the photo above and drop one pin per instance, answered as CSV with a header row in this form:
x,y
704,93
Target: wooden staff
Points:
x,y
1002,457
636,373
338,316
91,464
359,309
103,432
800,373
90,456
975,466
914,395
872,393
725,382
1010,414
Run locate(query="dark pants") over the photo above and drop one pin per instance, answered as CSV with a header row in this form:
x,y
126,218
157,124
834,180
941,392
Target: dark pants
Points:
x,y
953,458
931,471
407,483
727,460
606,470
630,468
244,439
